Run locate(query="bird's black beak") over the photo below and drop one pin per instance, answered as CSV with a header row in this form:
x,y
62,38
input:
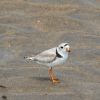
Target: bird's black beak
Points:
x,y
69,50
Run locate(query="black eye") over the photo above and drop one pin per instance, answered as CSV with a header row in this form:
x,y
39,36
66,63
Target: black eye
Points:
x,y
61,47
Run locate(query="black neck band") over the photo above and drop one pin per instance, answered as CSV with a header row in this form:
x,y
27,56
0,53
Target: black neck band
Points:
x,y
58,55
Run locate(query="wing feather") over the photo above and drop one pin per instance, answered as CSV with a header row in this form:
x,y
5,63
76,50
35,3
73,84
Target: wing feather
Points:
x,y
46,56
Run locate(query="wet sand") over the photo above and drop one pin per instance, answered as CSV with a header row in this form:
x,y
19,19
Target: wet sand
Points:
x,y
28,27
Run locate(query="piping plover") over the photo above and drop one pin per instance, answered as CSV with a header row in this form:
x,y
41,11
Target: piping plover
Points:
x,y
52,57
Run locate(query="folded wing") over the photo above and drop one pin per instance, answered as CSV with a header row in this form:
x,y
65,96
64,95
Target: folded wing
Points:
x,y
46,56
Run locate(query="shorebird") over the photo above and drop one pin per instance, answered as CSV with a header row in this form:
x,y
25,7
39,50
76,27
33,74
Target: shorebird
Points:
x,y
52,57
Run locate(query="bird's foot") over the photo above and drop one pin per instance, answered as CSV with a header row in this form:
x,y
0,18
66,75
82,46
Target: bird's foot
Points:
x,y
55,81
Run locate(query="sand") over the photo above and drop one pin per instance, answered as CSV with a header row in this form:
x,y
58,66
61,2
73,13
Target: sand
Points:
x,y
27,27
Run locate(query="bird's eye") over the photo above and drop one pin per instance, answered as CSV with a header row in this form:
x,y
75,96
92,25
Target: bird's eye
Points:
x,y
61,47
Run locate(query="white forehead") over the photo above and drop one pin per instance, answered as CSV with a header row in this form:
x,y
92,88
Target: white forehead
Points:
x,y
64,44
67,46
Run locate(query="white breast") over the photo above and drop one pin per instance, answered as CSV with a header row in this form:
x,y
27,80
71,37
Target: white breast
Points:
x,y
58,61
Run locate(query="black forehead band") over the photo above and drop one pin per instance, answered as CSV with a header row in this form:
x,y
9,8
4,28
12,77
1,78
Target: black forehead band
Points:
x,y
65,44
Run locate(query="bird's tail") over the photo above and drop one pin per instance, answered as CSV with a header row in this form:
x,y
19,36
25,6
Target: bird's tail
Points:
x,y
29,58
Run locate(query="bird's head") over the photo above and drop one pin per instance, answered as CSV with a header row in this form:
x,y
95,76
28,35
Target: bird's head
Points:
x,y
64,48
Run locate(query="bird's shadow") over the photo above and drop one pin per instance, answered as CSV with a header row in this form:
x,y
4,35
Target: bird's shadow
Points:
x,y
41,78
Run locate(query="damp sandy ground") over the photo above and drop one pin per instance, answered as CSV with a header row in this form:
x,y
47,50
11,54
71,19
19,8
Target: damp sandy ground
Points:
x,y
28,27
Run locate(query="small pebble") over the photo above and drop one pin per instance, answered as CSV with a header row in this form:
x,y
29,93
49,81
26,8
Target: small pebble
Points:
x,y
4,97
2,86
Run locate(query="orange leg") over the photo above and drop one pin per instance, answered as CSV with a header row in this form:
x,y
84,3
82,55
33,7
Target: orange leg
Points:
x,y
53,78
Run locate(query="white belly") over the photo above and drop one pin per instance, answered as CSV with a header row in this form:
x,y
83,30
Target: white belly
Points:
x,y
58,61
